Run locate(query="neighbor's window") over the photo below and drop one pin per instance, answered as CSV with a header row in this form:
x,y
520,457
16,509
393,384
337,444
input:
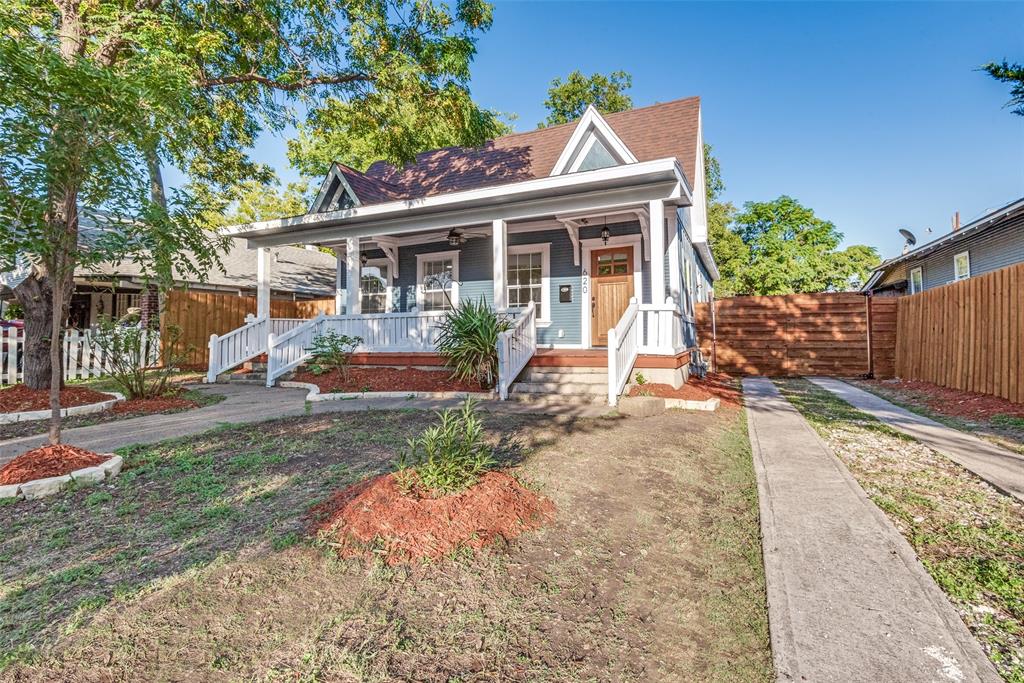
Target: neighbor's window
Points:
x,y
126,301
916,281
962,266
373,287
527,277
438,275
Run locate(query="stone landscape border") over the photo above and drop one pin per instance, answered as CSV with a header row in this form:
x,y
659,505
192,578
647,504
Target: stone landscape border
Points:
x,y
40,488
314,394
88,408
687,404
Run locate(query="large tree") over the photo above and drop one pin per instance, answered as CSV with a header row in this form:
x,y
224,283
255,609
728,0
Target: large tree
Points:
x,y
97,95
568,99
793,250
1014,75
730,252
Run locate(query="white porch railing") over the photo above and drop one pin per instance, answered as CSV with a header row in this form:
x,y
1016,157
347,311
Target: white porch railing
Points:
x,y
662,326
390,332
237,346
623,347
516,347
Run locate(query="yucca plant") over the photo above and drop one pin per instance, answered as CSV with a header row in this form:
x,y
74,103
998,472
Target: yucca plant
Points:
x,y
449,455
468,341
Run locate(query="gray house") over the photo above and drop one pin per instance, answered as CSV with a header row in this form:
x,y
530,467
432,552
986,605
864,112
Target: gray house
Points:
x,y
994,241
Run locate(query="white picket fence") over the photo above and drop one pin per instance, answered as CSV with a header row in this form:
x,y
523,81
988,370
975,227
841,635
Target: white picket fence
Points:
x,y
82,356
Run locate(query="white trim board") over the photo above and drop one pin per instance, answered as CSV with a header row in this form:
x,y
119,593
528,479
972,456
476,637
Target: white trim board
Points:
x,y
591,124
587,246
545,278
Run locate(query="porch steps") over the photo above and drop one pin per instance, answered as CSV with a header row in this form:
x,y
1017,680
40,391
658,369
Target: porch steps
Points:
x,y
560,385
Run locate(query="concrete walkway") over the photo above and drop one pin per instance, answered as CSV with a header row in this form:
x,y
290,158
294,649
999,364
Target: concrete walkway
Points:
x,y
248,404
1002,468
848,599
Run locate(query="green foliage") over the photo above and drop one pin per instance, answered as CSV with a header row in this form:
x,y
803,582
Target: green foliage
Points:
x,y
641,382
567,100
332,351
728,248
252,200
1014,75
468,341
140,361
449,455
13,311
339,131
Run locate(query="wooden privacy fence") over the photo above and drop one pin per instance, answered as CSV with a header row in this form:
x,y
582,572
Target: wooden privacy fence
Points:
x,y
801,334
200,314
966,335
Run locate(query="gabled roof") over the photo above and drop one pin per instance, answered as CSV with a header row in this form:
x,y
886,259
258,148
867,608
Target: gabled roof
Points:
x,y
990,220
369,190
669,129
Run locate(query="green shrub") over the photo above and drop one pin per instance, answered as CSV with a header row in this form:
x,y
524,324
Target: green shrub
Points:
x,y
332,351
449,455
140,361
468,341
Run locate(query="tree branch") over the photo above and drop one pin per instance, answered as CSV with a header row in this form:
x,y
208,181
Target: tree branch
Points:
x,y
290,86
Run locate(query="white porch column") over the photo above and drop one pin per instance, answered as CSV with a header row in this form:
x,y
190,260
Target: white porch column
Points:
x,y
657,230
499,254
353,273
675,274
262,282
339,291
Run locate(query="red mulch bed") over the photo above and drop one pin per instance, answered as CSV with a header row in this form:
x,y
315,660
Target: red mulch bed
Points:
x,y
714,385
387,379
146,406
20,398
376,516
48,461
951,402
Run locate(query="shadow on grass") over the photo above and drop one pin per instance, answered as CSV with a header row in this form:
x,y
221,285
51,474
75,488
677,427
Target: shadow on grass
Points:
x,y
180,505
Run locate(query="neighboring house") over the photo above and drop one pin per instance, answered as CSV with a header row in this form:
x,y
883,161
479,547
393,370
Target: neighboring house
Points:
x,y
577,229
994,241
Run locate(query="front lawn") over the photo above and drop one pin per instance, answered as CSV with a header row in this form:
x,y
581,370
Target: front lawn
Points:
x,y
969,536
195,563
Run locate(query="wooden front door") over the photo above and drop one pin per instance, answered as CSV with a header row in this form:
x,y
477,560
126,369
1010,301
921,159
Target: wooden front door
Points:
x,y
611,278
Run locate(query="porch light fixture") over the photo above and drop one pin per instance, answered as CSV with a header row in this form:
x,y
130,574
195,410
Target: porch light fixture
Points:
x,y
605,232
363,259
454,238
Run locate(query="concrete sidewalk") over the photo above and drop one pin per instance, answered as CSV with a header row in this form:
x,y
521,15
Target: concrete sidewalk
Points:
x,y
848,600
250,404
1002,468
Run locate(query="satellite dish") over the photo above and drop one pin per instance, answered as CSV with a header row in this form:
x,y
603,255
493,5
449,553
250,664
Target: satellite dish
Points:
x,y
909,236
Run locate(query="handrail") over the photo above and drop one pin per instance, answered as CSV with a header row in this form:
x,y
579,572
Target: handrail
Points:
x,y
623,348
290,349
516,346
236,347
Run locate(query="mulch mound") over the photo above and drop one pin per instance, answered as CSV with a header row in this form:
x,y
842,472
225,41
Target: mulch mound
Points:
x,y
714,385
147,406
377,516
952,402
386,379
48,461
20,398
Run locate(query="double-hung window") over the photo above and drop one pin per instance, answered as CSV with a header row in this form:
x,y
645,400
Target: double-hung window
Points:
x,y
373,288
962,265
437,276
527,278
916,280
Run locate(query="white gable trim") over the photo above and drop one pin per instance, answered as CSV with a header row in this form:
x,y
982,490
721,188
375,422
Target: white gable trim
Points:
x,y
592,125
326,185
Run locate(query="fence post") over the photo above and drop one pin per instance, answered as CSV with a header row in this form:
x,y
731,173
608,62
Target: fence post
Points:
x,y
214,364
502,367
270,359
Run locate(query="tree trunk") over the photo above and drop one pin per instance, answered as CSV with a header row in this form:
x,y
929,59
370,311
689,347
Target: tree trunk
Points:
x,y
35,295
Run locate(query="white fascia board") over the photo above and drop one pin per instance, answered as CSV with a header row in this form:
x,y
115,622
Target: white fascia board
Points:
x,y
591,120
305,228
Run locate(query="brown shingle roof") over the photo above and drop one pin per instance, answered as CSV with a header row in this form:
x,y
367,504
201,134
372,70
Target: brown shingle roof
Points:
x,y
656,132
369,190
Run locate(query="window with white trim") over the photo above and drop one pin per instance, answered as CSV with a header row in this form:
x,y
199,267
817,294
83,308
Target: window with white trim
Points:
x,y
962,265
373,288
527,277
916,280
126,301
437,276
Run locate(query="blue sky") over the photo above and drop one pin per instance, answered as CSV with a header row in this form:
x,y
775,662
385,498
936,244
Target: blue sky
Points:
x,y
873,114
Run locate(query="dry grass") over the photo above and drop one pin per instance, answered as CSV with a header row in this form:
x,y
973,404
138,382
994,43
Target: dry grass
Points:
x,y
195,565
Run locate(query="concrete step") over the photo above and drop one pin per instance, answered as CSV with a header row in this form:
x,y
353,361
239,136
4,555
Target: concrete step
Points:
x,y
542,400
573,370
560,388
554,376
